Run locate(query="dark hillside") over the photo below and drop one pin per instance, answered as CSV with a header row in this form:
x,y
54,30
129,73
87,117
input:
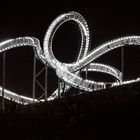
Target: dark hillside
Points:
x,y
108,114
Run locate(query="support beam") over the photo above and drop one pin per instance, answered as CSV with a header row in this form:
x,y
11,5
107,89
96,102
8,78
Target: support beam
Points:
x,y
34,77
46,82
43,87
3,78
122,63
59,87
86,73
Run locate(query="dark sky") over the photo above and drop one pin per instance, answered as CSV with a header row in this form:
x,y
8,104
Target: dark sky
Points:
x,y
106,20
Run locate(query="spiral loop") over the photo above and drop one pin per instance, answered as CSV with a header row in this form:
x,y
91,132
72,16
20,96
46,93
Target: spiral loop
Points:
x,y
70,73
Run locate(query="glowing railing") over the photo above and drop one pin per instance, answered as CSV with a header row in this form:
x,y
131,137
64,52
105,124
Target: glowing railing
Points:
x,y
70,73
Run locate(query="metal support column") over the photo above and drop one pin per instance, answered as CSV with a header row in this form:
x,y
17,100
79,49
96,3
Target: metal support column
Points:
x,y
80,73
122,62
63,87
46,82
59,87
34,77
86,73
3,78
44,87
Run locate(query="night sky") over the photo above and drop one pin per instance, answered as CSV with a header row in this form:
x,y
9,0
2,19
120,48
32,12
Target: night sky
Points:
x,y
106,21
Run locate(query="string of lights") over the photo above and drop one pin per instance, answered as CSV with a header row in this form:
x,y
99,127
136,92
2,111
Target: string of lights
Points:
x,y
70,73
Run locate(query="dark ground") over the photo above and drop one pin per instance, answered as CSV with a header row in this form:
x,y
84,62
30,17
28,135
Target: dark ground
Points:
x,y
108,114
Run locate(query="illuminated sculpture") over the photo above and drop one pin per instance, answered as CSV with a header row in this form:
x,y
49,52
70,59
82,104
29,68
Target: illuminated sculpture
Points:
x,y
70,73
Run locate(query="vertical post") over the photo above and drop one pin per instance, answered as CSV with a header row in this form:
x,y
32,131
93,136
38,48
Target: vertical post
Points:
x,y
122,62
63,88
46,82
3,78
59,88
86,73
34,77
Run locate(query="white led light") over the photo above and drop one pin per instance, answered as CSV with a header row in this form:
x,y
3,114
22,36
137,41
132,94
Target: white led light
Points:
x,y
70,73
